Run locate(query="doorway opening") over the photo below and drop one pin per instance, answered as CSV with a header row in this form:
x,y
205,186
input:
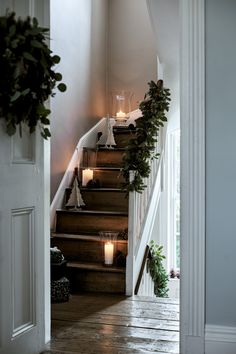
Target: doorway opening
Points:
x,y
90,58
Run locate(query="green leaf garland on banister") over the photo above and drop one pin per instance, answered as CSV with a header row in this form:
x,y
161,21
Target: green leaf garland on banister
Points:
x,y
27,76
141,149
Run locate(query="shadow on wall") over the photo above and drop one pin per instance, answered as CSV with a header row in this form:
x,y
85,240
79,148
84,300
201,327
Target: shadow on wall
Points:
x,y
78,32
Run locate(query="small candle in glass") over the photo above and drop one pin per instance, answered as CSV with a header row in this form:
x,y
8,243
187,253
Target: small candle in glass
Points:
x,y
120,114
108,253
108,248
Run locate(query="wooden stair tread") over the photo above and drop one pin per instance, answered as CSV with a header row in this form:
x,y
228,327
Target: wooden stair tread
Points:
x,y
115,190
92,212
100,189
89,238
111,150
97,267
123,131
105,149
102,168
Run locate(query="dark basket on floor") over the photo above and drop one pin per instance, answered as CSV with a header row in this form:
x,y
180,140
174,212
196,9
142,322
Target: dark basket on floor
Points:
x,y
60,290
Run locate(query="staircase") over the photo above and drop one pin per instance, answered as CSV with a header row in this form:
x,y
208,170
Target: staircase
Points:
x,y
106,208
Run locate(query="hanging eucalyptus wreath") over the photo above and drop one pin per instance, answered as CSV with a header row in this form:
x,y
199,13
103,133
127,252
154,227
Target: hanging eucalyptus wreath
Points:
x,y
141,149
27,76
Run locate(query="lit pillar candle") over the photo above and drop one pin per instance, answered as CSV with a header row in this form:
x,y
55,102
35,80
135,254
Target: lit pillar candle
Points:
x,y
108,253
120,114
87,175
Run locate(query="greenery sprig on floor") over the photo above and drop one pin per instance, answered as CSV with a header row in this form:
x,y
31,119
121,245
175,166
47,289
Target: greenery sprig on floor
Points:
x,y
27,77
141,149
157,270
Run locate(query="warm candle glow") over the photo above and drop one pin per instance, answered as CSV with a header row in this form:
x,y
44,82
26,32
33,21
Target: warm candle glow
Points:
x,y
120,114
108,253
87,175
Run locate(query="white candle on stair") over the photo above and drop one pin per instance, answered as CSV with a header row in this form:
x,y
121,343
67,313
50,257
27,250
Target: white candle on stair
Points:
x,y
108,253
87,175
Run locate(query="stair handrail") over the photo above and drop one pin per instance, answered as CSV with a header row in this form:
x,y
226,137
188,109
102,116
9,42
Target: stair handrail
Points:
x,y
89,139
142,212
147,256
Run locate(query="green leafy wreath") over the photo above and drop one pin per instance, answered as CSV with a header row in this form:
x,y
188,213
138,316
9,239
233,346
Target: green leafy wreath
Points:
x,y
27,77
141,149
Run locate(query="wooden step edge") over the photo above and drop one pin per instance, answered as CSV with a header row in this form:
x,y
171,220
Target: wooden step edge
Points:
x,y
102,168
100,189
114,149
124,132
104,149
89,238
92,212
95,267
115,190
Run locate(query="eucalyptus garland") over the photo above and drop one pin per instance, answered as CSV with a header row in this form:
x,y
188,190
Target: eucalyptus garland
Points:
x,y
157,270
27,75
141,149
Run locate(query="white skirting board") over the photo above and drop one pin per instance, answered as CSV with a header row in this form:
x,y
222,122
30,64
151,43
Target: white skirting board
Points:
x,y
220,340
174,288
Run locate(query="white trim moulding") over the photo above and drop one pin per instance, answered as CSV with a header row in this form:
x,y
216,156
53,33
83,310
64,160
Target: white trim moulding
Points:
x,y
220,339
192,103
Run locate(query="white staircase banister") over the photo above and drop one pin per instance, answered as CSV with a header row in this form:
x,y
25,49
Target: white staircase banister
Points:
x,y
142,212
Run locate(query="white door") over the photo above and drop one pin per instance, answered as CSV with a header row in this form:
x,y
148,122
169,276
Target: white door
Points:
x,y
22,231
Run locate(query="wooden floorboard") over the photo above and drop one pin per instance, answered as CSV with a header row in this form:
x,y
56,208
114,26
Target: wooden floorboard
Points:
x,y
110,324
126,321
153,299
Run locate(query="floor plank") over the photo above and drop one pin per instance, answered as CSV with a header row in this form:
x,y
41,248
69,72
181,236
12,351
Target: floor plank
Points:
x,y
122,320
101,351
108,324
149,299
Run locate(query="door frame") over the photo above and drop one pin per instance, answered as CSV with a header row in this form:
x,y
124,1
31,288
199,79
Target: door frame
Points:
x,y
192,113
42,9
47,174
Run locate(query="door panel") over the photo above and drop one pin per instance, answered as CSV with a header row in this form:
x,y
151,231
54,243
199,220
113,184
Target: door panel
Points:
x,y
23,148
23,268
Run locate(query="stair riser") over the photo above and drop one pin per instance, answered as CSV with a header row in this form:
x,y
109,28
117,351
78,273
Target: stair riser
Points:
x,y
122,140
102,158
110,158
104,200
84,251
93,281
109,179
78,224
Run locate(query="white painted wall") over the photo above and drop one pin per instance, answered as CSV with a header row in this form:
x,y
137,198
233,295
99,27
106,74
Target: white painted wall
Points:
x,y
220,163
78,33
164,16
132,54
